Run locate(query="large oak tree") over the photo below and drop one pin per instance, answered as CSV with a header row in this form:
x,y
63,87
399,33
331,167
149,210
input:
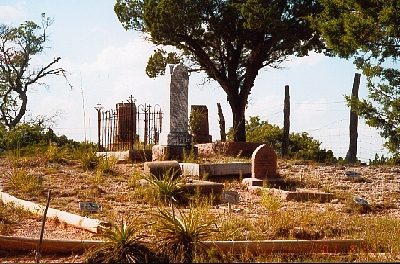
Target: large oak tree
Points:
x,y
230,40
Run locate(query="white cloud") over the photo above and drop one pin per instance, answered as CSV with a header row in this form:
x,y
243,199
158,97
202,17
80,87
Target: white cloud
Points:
x,y
10,14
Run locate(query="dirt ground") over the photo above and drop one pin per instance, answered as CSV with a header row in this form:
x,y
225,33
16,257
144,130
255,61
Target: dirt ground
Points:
x,y
70,184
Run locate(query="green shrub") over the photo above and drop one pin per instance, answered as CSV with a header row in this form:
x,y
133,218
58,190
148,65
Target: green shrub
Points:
x,y
301,145
86,154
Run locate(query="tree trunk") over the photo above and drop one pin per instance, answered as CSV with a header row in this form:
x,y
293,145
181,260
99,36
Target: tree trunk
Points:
x,y
239,123
24,101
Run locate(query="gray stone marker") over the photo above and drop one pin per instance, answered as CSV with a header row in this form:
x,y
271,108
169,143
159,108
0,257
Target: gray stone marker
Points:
x,y
178,138
178,133
231,197
89,207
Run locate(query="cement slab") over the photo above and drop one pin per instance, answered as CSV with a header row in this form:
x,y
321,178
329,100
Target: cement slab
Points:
x,y
119,155
216,169
302,195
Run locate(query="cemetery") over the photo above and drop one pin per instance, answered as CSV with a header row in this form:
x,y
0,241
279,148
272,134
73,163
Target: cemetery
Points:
x,y
246,203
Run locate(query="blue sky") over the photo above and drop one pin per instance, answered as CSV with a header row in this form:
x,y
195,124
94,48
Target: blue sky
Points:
x,y
106,65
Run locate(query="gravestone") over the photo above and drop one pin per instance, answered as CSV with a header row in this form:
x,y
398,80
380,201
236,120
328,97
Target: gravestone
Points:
x,y
178,139
264,163
178,114
199,121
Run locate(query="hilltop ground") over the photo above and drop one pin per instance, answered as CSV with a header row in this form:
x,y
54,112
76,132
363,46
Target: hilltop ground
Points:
x,y
255,217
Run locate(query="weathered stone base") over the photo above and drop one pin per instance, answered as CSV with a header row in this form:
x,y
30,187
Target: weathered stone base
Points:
x,y
179,139
216,169
204,188
160,168
242,149
253,182
160,153
140,155
202,139
302,195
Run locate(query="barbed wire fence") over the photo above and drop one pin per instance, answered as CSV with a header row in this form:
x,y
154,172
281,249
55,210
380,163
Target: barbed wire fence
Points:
x,y
333,133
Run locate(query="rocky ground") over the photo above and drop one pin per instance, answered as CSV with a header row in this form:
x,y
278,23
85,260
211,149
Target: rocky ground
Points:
x,y
70,184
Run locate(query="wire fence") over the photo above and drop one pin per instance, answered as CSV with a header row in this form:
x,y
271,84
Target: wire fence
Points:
x,y
332,130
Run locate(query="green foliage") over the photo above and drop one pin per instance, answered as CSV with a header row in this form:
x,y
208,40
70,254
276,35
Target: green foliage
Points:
x,y
189,156
158,61
19,180
301,145
34,134
122,245
181,234
194,122
382,160
230,40
86,154
368,31
167,187
261,131
106,165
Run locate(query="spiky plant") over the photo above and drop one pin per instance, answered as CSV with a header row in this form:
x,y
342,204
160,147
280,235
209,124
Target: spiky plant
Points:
x,y
167,186
181,235
122,245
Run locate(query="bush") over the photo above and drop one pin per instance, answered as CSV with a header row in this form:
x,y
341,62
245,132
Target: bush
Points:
x,y
28,135
301,145
86,154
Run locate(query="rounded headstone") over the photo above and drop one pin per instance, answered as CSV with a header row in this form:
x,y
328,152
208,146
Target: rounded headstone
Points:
x,y
264,163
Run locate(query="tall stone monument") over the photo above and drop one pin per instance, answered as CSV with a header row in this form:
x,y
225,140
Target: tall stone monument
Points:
x,y
178,104
178,138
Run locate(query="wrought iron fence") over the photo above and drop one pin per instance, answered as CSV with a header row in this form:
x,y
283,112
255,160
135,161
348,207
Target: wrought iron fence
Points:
x,y
128,126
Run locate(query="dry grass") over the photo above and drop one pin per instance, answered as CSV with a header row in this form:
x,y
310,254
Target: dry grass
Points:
x,y
257,216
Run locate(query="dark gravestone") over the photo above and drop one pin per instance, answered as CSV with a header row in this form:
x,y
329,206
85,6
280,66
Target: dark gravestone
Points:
x,y
264,163
199,124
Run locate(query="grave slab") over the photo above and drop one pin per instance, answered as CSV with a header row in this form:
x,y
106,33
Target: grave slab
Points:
x,y
204,187
302,195
216,169
158,168
163,153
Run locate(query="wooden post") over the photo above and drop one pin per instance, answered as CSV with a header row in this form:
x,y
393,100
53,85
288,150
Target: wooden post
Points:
x,y
286,123
38,250
221,123
351,156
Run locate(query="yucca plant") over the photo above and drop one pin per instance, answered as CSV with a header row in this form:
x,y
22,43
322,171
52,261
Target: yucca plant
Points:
x,y
167,187
122,245
181,235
